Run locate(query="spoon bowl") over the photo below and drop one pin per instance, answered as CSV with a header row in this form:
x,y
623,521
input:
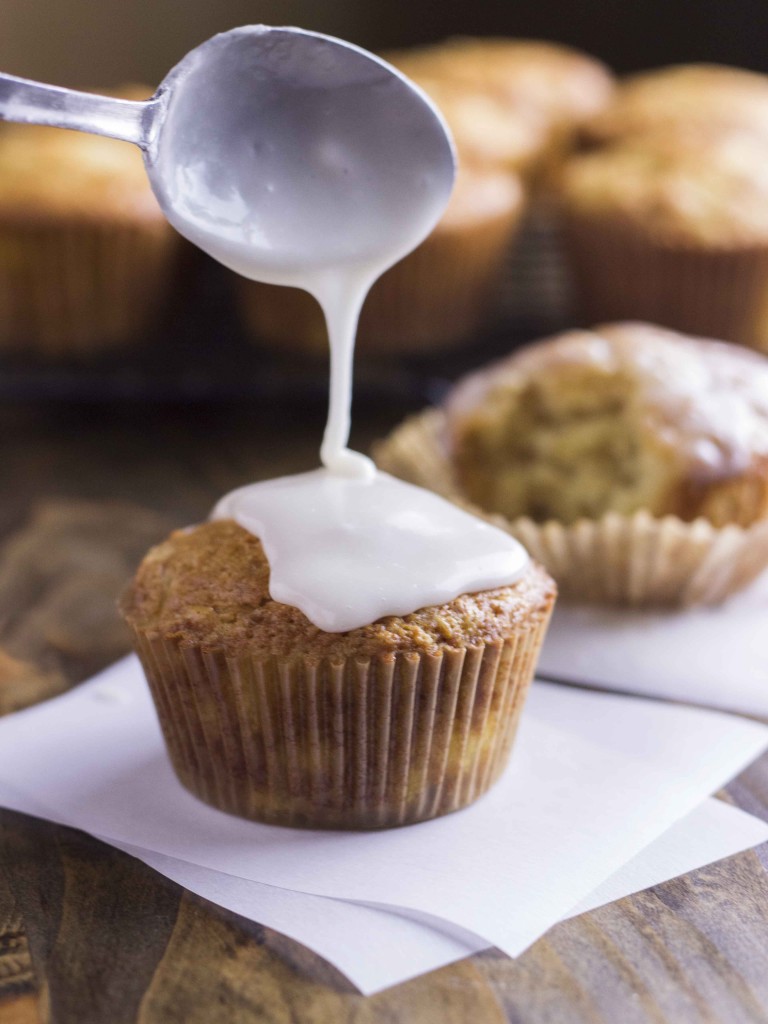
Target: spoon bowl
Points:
x,y
296,147
276,150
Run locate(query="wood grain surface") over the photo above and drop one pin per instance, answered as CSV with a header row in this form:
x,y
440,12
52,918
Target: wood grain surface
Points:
x,y
89,935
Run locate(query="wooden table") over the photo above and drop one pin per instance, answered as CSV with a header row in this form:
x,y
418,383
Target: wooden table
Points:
x,y
88,934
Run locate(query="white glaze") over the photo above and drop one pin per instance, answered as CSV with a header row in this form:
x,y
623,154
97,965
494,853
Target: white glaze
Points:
x,y
349,550
322,178
326,170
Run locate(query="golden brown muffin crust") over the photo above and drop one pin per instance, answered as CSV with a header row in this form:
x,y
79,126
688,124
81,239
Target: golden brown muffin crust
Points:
x,y
710,190
554,82
486,132
681,97
209,586
480,196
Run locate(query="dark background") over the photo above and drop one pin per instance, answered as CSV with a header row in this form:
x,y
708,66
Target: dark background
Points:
x,y
106,41
628,35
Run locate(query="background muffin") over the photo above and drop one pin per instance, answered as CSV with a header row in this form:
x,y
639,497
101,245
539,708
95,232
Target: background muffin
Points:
x,y
487,130
673,230
681,98
550,90
267,716
436,297
631,460
552,86
86,256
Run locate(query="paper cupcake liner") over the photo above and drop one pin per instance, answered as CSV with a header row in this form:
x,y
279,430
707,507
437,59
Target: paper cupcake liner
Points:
x,y
436,298
619,559
623,273
346,744
71,289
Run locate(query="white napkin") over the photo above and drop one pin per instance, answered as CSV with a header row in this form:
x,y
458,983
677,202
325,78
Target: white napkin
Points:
x,y
594,779
376,948
717,657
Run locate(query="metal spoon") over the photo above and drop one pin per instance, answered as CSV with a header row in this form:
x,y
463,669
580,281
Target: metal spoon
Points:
x,y
262,110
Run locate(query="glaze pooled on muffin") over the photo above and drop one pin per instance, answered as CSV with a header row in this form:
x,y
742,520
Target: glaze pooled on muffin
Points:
x,y
209,587
349,550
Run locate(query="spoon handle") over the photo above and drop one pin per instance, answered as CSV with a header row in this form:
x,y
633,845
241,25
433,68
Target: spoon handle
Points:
x,y
35,103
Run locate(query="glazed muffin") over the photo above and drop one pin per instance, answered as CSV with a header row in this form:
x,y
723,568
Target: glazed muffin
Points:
x,y
631,460
673,232
682,98
86,256
622,418
435,298
268,717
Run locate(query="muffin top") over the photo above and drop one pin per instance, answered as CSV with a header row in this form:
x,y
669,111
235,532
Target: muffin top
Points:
x,y
618,418
487,132
713,193
681,97
542,80
209,586
480,195
49,172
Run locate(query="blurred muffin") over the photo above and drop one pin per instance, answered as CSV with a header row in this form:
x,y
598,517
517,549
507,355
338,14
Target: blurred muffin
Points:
x,y
436,297
266,716
682,98
86,256
485,130
631,461
544,84
675,232
548,91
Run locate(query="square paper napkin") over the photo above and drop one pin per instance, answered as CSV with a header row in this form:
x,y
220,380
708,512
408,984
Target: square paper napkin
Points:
x,y
376,948
716,657
594,779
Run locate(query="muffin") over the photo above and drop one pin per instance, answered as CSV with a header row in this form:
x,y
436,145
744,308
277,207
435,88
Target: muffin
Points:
x,y
435,298
86,255
548,91
542,83
680,99
675,232
268,717
486,129
632,461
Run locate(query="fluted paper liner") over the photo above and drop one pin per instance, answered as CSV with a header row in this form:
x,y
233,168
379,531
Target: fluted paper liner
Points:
x,y
345,744
634,560
623,272
72,289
